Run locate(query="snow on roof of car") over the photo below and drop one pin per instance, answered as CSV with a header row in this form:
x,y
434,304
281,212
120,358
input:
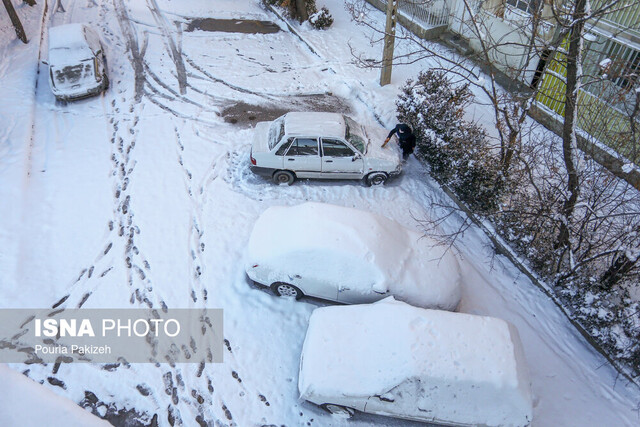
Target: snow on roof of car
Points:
x,y
314,124
66,36
356,249
467,369
67,44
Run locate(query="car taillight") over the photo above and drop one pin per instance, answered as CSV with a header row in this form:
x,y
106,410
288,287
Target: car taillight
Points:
x,y
254,266
253,161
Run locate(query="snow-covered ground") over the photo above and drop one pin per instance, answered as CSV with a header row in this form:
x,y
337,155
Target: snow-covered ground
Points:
x,y
143,197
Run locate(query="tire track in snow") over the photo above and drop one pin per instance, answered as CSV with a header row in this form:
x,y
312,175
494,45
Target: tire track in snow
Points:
x,y
174,49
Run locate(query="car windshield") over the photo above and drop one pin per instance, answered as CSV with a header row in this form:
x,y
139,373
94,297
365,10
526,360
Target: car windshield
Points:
x,y
73,74
276,132
353,134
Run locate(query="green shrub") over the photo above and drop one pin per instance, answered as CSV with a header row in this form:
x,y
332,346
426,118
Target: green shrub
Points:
x,y
457,150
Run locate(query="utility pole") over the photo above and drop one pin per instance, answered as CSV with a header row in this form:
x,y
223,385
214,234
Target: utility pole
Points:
x,y
389,40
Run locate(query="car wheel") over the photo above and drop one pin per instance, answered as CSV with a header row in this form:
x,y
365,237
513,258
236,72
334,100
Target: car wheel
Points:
x,y
339,410
286,290
376,178
283,177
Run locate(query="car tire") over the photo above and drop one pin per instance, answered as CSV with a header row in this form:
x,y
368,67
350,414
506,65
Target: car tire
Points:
x,y
283,177
282,289
342,411
376,178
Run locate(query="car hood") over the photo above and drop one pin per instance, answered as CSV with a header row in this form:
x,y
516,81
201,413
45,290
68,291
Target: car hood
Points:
x,y
430,276
376,136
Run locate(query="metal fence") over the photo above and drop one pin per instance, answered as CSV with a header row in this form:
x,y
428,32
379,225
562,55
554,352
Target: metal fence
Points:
x,y
607,97
431,13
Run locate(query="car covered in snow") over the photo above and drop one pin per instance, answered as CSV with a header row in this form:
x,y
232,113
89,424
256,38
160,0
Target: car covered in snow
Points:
x,y
393,359
350,256
322,145
77,62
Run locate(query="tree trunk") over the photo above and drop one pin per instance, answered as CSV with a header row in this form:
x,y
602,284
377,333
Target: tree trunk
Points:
x,y
15,21
569,143
301,9
617,271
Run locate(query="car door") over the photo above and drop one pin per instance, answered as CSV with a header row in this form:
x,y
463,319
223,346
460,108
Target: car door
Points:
x,y
349,294
402,401
340,161
303,158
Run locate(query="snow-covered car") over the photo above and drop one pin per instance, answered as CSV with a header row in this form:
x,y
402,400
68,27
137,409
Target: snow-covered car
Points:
x,y
77,62
322,145
393,359
350,256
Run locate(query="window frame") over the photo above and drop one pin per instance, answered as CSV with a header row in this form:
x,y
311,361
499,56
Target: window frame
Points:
x,y
295,139
343,142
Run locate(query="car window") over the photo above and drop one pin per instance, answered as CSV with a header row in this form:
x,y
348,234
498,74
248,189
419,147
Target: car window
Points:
x,y
283,147
353,134
91,39
335,148
276,132
304,147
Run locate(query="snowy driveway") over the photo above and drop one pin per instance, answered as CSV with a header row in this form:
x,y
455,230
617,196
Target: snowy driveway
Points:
x,y
143,198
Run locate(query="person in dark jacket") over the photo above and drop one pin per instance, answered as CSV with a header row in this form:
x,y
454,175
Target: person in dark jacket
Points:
x,y
406,139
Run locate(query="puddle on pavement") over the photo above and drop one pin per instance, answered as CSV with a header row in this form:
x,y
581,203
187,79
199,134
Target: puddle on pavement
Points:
x,y
246,26
242,113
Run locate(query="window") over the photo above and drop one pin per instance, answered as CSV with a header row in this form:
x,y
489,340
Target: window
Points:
x,y
622,67
335,148
276,132
529,6
304,147
352,134
283,147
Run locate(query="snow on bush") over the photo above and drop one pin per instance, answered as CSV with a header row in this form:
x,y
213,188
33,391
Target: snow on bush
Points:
x,y
457,150
321,20
593,276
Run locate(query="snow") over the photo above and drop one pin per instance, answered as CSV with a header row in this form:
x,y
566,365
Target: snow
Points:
x,y
469,369
143,195
351,248
67,45
311,124
29,404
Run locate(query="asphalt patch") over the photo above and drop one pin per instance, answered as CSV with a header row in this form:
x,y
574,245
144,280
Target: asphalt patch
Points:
x,y
242,113
245,26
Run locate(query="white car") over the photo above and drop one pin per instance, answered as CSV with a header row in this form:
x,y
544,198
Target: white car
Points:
x,y
350,256
77,62
322,145
392,359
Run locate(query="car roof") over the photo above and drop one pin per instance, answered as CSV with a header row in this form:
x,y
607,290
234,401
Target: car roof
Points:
x,y
68,45
369,349
314,124
314,234
67,36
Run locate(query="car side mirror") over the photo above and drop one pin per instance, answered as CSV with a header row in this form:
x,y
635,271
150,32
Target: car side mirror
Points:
x,y
356,157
